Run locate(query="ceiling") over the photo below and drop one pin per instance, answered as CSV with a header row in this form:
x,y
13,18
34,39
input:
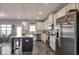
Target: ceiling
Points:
x,y
28,11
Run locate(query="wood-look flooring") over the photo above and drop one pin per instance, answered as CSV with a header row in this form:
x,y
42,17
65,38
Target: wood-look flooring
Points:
x,y
39,48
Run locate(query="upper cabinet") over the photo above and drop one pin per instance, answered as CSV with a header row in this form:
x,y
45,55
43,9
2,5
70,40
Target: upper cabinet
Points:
x,y
46,23
49,21
55,17
62,12
70,6
50,18
40,26
77,6
25,27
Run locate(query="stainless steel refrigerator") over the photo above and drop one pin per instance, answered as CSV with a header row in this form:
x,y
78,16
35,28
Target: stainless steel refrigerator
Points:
x,y
67,37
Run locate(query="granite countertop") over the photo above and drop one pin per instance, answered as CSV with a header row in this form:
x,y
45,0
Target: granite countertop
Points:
x,y
22,36
17,37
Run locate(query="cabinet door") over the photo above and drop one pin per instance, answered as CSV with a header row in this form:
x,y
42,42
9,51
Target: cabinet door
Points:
x,y
50,19
52,42
61,12
70,6
40,25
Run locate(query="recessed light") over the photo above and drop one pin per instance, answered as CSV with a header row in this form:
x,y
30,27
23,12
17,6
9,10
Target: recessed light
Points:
x,y
37,17
39,12
45,3
0,17
2,14
18,17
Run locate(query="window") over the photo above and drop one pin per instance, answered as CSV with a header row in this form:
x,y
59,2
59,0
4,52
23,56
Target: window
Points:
x,y
8,32
3,28
9,29
6,29
3,32
3,25
8,26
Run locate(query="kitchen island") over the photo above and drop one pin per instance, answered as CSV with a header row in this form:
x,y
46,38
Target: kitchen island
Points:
x,y
25,41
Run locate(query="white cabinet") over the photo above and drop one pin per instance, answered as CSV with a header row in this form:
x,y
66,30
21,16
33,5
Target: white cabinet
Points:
x,y
55,17
61,13
25,27
70,6
40,25
48,22
44,37
50,18
53,42
77,6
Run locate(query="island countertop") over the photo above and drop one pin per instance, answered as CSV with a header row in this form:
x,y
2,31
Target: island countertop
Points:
x,y
21,37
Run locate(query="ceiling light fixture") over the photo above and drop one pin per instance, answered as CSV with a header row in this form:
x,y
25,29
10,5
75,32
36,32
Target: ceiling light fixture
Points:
x,y
18,17
24,23
45,3
37,17
2,14
0,17
39,12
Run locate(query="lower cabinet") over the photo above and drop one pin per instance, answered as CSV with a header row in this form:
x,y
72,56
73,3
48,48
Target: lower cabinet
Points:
x,y
27,44
53,42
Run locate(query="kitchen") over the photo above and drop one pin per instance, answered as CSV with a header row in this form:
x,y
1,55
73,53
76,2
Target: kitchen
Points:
x,y
39,21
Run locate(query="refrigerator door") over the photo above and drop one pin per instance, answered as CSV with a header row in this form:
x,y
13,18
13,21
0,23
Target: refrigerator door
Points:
x,y
67,35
